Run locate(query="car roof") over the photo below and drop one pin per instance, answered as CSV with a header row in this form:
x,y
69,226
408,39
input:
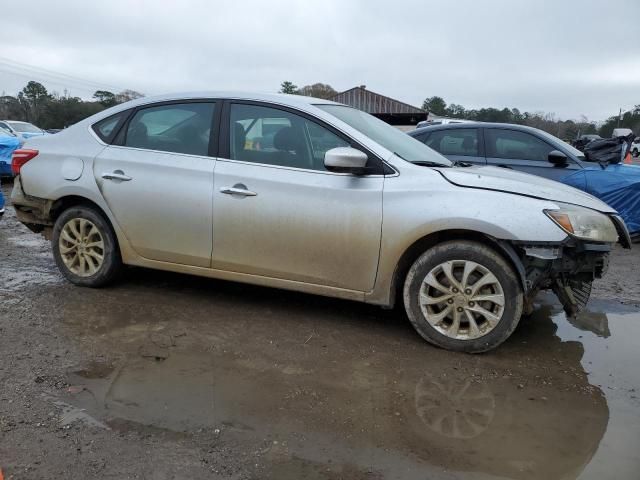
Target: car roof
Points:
x,y
281,98
295,101
450,126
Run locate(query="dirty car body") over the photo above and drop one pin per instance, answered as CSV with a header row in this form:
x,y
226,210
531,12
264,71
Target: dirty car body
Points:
x,y
310,195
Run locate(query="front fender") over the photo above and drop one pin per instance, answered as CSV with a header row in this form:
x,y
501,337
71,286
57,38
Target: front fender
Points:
x,y
413,212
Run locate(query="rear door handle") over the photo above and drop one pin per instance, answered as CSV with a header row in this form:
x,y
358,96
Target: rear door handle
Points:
x,y
116,175
238,189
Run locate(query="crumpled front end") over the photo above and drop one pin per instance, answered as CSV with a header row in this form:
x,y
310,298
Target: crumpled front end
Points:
x,y
567,269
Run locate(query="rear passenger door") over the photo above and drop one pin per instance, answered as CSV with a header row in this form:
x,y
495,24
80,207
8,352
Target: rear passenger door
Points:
x,y
525,152
157,178
457,144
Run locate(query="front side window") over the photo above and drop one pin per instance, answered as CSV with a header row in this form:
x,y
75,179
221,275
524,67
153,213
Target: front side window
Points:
x,y
461,141
177,128
277,137
516,145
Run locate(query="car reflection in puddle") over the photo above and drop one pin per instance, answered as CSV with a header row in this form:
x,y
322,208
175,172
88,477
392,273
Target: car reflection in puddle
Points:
x,y
525,411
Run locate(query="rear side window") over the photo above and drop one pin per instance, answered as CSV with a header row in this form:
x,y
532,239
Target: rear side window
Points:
x,y
516,145
176,128
107,128
459,141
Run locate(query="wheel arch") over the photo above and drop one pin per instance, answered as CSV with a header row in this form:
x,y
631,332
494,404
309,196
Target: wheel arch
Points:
x,y
417,248
63,203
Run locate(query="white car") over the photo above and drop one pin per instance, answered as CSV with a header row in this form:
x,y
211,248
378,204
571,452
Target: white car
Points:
x,y
310,195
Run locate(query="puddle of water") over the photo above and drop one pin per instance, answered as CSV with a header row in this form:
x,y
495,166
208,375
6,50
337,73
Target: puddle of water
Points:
x,y
529,411
613,365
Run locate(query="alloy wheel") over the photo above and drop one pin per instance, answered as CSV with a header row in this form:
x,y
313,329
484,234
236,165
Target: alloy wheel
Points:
x,y
462,299
81,247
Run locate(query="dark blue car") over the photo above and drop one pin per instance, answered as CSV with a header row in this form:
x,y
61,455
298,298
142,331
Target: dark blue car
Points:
x,y
533,151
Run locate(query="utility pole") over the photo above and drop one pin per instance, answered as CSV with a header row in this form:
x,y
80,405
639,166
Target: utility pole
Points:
x,y
619,117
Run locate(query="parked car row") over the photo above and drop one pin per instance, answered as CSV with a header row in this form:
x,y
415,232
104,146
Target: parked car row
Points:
x,y
289,192
22,130
536,152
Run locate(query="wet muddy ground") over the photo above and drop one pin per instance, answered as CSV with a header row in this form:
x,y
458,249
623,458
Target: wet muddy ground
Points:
x,y
165,376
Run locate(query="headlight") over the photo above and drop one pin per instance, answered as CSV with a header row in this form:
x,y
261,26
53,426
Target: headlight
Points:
x,y
583,223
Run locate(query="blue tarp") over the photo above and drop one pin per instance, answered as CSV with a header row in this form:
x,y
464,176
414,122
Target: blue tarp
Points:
x,y
617,185
7,145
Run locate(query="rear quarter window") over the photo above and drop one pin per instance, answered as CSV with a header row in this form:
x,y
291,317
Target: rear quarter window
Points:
x,y
107,128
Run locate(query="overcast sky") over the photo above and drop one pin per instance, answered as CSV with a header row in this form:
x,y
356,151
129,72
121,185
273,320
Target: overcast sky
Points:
x,y
569,57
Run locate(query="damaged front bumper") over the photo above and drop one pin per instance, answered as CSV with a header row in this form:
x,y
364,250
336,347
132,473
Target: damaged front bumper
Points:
x,y
567,268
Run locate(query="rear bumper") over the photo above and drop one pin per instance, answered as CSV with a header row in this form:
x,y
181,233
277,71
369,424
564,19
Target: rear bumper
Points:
x,y
31,211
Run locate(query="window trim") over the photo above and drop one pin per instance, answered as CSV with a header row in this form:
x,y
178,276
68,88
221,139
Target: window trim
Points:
x,y
119,140
546,161
224,153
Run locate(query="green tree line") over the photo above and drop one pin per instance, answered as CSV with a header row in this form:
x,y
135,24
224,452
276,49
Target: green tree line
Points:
x,y
51,110
565,129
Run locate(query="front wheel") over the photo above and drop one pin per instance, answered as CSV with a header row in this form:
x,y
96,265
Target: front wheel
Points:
x,y
463,296
85,247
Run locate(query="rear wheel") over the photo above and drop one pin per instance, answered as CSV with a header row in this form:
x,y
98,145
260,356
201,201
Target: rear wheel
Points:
x,y
463,296
85,247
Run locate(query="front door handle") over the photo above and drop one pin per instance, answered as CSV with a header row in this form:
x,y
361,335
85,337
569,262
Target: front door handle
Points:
x,y
238,189
116,175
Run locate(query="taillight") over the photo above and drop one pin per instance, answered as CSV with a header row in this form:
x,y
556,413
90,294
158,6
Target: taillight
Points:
x,y
20,157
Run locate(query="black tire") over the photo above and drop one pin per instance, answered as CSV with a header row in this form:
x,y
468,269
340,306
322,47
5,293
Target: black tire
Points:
x,y
112,263
488,258
635,152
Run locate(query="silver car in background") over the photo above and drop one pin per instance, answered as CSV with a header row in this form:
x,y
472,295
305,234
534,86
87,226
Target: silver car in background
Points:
x,y
309,195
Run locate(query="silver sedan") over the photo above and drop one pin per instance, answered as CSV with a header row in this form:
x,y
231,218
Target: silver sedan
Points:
x,y
310,195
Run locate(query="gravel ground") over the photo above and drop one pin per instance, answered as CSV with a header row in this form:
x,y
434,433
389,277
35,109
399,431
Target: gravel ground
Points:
x,y
165,376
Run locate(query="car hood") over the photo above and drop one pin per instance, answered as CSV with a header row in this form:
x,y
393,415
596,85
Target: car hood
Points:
x,y
506,180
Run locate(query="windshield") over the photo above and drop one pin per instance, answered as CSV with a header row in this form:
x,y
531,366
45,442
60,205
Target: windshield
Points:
x,y
573,150
24,127
406,147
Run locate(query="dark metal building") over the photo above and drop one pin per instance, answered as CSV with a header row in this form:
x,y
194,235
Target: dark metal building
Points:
x,y
388,109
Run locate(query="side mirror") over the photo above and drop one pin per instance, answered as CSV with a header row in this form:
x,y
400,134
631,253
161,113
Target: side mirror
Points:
x,y
558,158
345,160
